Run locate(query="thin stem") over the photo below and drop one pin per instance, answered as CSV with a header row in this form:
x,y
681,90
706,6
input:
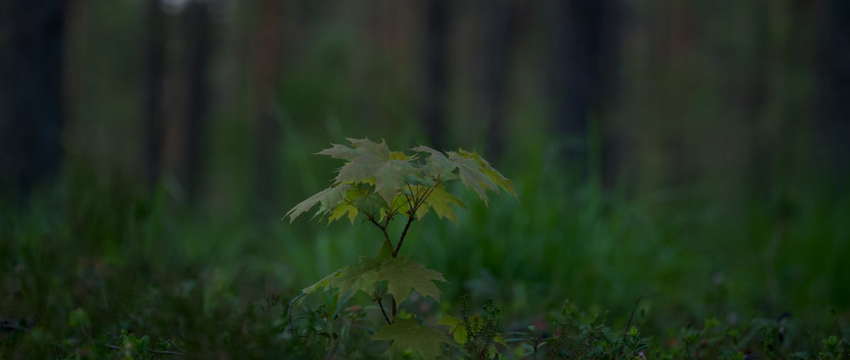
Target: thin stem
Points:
x,y
381,305
629,325
395,308
417,203
383,229
349,202
588,341
428,192
408,198
403,234
389,217
419,190
289,310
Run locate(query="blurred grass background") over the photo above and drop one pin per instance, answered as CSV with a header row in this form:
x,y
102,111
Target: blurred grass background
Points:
x,y
695,152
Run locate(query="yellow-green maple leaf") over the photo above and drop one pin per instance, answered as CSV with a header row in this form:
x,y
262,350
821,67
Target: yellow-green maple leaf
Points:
x,y
341,210
325,283
328,199
442,202
490,172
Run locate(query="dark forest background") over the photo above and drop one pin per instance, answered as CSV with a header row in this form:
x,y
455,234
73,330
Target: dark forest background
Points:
x,y
745,97
660,147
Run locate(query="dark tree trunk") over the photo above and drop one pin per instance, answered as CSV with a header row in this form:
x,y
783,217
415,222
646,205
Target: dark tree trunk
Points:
x,y
197,63
833,62
268,42
613,143
574,76
497,43
155,48
436,50
32,113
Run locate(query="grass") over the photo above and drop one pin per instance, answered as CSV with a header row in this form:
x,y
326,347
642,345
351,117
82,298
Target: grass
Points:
x,y
105,270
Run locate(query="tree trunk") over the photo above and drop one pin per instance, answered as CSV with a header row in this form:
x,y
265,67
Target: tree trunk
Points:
x,y
574,76
436,49
153,90
185,85
833,61
497,43
32,92
197,95
268,43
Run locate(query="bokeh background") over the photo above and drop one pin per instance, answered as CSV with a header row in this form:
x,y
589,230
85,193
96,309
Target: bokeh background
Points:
x,y
693,151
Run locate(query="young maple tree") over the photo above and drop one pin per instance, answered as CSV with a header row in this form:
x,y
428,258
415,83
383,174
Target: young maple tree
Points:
x,y
381,185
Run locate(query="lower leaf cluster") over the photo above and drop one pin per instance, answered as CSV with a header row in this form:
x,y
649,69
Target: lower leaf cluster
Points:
x,y
400,274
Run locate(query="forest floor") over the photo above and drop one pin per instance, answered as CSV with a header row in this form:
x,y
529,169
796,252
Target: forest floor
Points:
x,y
112,273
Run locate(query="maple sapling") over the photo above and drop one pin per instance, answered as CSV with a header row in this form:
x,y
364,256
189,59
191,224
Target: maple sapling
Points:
x,y
379,185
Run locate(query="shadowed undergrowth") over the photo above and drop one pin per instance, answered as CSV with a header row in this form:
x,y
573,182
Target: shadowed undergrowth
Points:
x,y
91,267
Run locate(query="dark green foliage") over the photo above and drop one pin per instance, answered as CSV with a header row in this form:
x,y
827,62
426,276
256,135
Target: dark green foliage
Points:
x,y
482,332
96,266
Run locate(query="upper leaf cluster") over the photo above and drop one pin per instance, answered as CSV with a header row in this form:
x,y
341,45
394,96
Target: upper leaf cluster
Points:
x,y
380,183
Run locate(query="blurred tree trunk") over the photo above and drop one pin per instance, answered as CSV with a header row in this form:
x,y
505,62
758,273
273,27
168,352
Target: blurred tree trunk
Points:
x,y
497,44
185,115
155,48
833,96
32,113
783,54
612,143
268,43
833,62
436,50
198,41
574,73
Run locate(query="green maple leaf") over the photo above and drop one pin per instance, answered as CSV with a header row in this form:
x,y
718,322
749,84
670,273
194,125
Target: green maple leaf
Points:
x,y
437,165
471,175
353,202
372,162
409,334
403,274
474,172
344,209
365,199
376,181
359,277
441,202
363,275
488,170
328,198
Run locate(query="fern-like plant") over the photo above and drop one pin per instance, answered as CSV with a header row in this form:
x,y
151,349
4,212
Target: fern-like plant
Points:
x,y
380,186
